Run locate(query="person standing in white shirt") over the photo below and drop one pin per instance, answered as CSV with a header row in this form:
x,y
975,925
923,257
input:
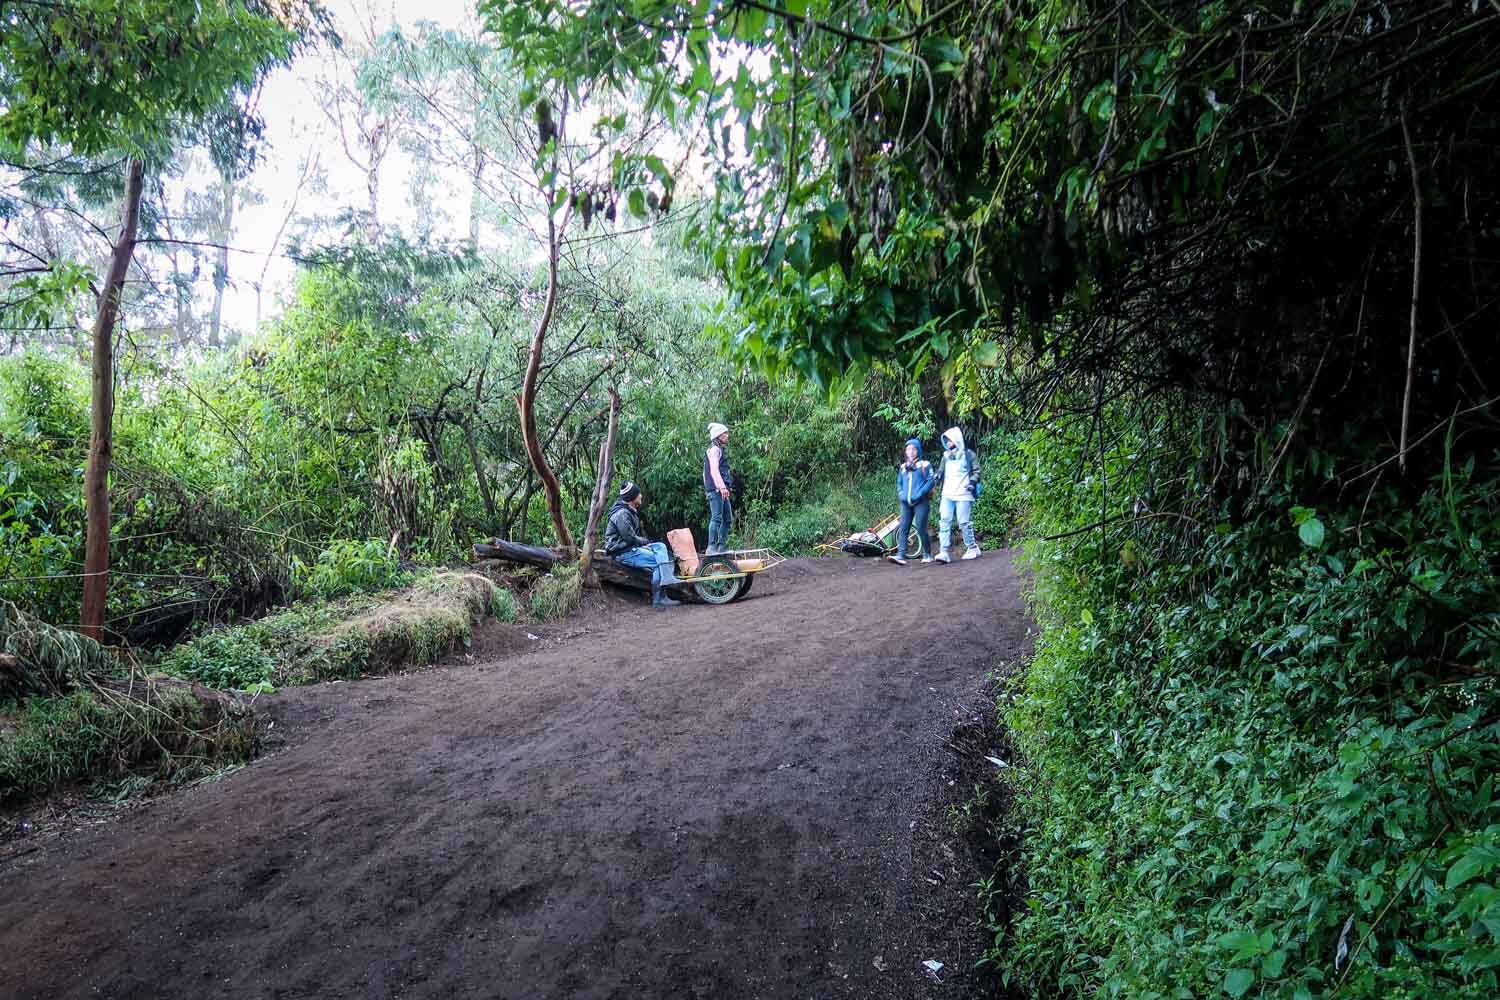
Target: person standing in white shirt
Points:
x,y
960,478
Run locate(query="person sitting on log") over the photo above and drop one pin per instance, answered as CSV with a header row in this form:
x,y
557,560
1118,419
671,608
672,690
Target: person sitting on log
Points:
x,y
624,543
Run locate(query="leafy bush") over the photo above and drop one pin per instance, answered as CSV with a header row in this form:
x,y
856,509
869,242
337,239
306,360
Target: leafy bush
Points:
x,y
1259,756
226,658
348,566
839,512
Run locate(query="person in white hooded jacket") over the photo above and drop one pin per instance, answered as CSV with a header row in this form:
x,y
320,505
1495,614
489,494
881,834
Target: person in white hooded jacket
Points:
x,y
958,471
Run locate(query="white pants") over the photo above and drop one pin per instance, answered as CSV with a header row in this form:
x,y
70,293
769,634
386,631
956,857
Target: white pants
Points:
x,y
963,509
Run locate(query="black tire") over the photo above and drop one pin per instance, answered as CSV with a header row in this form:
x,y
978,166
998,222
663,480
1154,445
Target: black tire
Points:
x,y
719,588
745,583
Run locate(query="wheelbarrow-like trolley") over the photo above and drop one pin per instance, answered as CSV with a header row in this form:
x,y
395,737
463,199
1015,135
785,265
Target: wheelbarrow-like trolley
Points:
x,y
713,579
727,576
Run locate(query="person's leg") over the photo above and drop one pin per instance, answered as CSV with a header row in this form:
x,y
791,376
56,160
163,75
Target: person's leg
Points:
x,y
728,525
921,510
945,527
642,558
715,523
666,574
906,514
966,524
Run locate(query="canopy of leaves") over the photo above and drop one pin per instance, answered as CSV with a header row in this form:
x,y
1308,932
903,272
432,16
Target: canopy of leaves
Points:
x,y
110,74
1106,200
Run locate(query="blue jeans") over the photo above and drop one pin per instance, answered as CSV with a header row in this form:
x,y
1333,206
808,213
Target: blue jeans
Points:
x,y
652,557
720,520
962,509
913,512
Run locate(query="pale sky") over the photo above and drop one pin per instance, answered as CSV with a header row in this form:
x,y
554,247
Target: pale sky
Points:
x,y
297,125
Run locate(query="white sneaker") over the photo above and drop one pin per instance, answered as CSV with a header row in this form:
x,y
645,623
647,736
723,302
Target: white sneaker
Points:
x,y
942,557
926,560
973,553
897,560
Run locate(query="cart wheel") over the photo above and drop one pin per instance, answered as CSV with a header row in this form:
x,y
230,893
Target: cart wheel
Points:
x,y
714,584
745,582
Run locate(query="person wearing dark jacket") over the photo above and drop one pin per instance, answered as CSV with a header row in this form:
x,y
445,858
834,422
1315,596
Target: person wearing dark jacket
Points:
x,y
914,479
624,543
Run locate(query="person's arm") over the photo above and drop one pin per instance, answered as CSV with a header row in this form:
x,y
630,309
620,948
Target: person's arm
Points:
x,y
639,539
714,455
929,479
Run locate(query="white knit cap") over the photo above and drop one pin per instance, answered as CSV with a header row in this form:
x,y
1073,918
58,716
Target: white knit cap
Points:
x,y
714,430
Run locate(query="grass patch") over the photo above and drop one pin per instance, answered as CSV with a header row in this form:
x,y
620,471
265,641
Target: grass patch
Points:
x,y
557,594
161,727
352,637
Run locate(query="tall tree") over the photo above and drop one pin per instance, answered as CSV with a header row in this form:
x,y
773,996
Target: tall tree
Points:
x,y
125,76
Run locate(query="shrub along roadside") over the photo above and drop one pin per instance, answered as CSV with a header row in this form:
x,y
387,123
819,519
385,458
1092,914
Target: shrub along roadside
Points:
x,y
167,728
68,710
1259,757
90,720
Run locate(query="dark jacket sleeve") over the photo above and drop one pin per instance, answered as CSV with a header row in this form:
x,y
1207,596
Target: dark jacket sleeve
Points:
x,y
622,532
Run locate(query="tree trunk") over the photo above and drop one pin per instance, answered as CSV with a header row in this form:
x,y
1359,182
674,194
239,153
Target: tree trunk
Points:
x,y
376,142
606,473
527,400
221,267
480,475
475,198
101,414
525,510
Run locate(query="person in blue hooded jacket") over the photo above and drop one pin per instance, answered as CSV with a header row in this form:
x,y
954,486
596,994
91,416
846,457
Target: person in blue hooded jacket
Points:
x,y
914,479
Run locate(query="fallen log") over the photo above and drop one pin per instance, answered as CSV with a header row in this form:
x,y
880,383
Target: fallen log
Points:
x,y
608,570
526,555
605,568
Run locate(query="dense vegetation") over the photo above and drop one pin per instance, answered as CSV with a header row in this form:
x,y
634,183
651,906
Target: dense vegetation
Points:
x,y
1233,262
1215,283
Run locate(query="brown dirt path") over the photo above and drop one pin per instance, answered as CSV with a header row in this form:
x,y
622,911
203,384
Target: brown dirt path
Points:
x,y
733,802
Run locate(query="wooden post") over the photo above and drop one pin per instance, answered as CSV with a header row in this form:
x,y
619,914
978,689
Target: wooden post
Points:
x,y
101,414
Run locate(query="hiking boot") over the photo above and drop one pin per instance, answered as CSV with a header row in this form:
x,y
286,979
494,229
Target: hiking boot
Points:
x,y
973,553
942,557
898,560
661,600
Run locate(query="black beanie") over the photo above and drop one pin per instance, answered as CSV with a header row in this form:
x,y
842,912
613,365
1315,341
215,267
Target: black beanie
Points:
x,y
629,492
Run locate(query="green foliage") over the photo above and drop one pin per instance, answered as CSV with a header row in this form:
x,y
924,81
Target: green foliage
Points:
x,y
233,658
43,419
346,566
1259,756
96,74
839,512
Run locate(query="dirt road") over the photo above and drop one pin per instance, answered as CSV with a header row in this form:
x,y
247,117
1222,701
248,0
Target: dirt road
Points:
x,y
735,802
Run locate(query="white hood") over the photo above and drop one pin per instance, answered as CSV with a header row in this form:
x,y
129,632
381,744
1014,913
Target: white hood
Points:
x,y
955,434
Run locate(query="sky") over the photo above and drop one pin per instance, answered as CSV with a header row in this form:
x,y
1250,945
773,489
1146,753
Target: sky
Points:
x,y
297,126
